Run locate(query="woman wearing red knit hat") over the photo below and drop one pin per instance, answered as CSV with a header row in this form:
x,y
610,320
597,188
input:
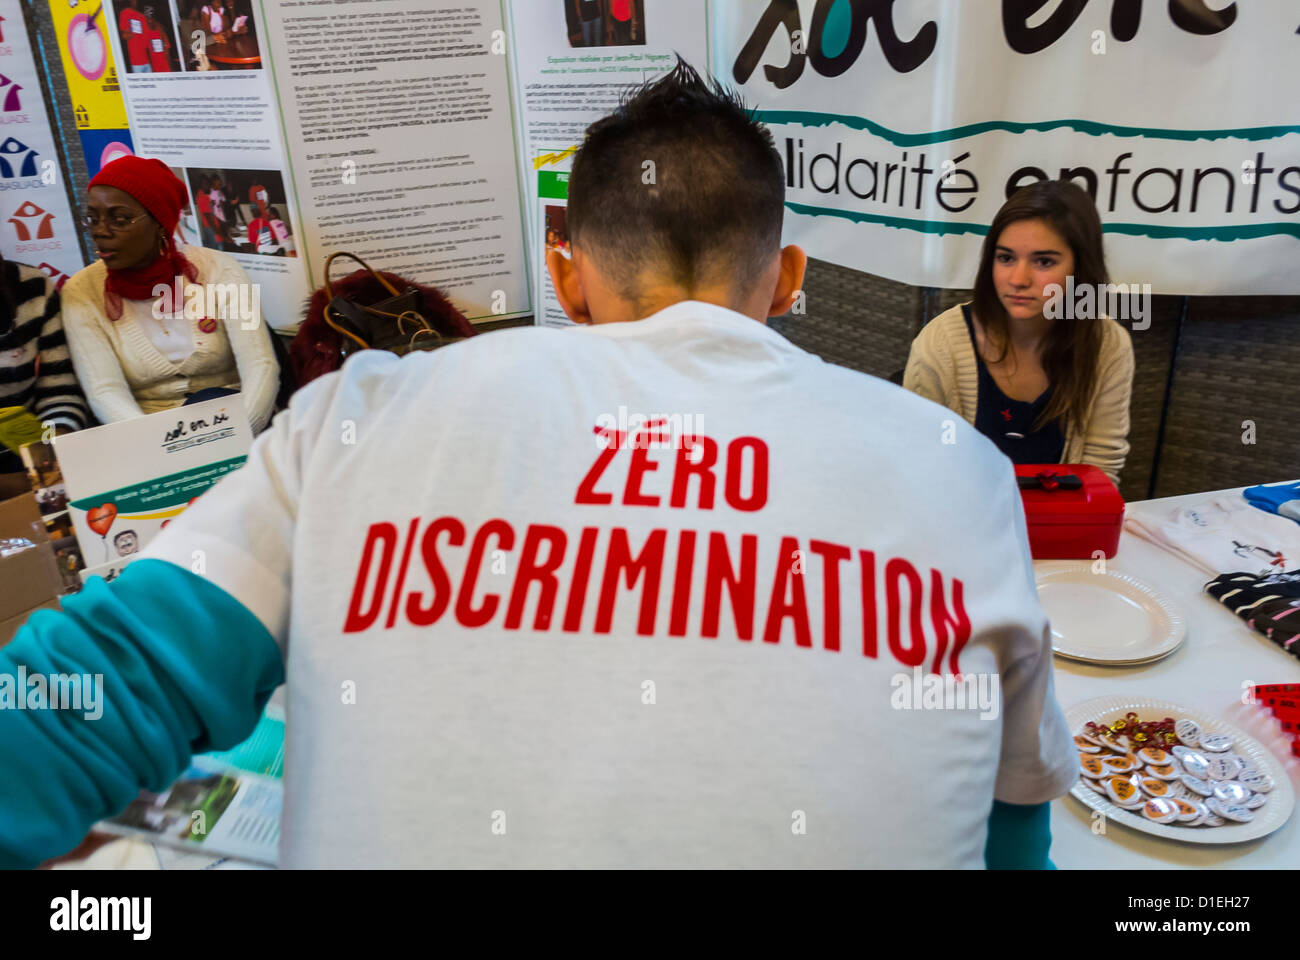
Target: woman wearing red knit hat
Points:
x,y
136,352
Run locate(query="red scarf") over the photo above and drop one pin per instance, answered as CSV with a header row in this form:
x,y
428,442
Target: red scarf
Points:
x,y
139,283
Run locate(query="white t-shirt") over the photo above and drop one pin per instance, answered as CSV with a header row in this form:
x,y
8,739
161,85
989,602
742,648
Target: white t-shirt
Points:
x,y
552,713
172,335
214,18
1223,535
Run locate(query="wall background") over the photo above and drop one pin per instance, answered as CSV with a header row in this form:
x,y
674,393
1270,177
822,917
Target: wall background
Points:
x,y
1206,364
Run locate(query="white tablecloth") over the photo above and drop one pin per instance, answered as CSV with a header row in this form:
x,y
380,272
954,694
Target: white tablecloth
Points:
x,y
1205,673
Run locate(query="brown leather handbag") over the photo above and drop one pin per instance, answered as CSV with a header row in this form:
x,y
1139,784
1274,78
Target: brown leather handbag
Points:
x,y
371,310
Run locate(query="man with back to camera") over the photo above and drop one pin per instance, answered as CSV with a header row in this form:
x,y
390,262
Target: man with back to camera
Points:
x,y
573,627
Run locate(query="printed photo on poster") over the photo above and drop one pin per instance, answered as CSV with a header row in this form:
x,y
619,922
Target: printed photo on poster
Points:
x,y
242,211
557,234
147,32
229,35
605,23
187,227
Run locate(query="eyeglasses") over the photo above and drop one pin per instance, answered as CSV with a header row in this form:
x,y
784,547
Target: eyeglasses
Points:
x,y
116,222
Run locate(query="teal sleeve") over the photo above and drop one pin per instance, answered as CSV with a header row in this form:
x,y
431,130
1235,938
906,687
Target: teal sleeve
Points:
x,y
182,668
1019,837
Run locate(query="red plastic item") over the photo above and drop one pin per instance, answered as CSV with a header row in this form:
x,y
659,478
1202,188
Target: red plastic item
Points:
x,y
1067,524
1275,688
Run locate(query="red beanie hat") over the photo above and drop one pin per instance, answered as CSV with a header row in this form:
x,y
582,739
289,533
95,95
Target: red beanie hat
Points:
x,y
151,183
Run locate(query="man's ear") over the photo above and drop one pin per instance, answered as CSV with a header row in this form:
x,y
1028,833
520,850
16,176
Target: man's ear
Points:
x,y
789,285
568,286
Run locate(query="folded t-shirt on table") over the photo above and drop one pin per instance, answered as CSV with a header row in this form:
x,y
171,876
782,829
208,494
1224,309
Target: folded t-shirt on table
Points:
x,y
1269,604
1222,534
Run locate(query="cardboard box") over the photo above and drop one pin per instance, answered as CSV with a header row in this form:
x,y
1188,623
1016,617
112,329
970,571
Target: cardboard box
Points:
x,y
9,627
29,579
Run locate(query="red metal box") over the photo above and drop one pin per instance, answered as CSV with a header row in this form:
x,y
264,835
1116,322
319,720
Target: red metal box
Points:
x,y
1072,510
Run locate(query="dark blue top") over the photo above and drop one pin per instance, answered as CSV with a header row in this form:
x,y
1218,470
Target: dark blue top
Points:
x,y
1010,423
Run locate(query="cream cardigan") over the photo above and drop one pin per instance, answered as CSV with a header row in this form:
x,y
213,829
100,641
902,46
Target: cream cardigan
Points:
x,y
124,375
942,368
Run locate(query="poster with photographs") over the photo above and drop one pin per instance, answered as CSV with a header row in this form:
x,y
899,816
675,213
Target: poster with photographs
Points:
x,y
242,211
212,116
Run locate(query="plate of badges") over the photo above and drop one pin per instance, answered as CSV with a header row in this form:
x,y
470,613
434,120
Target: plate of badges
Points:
x,y
1177,773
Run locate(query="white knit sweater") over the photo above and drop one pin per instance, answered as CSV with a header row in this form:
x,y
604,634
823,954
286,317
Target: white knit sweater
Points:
x,y
942,368
124,375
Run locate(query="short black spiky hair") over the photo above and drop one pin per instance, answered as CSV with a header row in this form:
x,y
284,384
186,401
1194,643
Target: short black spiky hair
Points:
x,y
682,182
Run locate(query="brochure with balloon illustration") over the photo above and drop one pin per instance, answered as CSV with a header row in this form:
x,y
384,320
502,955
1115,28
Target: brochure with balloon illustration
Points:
x,y
126,481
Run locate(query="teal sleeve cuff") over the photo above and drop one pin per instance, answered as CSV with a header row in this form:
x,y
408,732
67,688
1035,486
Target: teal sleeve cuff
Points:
x,y
1020,837
167,665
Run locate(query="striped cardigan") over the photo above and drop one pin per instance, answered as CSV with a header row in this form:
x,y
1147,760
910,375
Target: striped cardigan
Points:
x,y
35,368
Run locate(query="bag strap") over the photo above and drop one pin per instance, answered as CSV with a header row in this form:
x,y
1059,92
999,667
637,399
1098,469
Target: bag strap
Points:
x,y
330,298
329,292
338,303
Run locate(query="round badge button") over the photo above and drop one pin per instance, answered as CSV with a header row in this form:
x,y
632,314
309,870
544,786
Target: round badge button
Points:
x,y
1257,780
1160,810
1224,768
1230,811
1119,764
1216,743
1188,731
1229,791
1153,755
1093,767
1167,772
1155,788
1197,764
1123,791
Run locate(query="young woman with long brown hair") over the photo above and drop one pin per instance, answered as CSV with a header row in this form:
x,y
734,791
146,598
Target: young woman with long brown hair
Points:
x,y
1045,385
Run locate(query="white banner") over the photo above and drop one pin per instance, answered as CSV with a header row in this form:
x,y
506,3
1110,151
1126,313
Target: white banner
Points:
x,y
38,229
906,125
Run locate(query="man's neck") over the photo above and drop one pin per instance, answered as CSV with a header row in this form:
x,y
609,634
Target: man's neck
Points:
x,y
653,300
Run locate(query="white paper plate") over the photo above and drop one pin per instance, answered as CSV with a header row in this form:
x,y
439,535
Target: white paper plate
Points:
x,y
1109,618
1281,800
